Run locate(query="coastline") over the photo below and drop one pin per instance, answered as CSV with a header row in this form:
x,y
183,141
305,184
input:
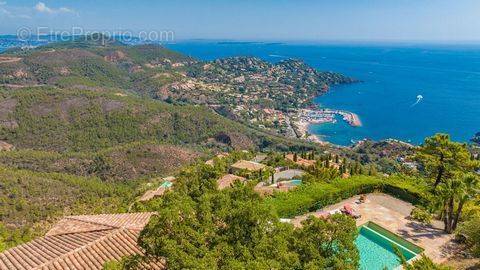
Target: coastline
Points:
x,y
307,117
302,128
351,118
356,122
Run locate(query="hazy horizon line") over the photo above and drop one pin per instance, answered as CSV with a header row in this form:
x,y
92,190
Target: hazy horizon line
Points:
x,y
309,41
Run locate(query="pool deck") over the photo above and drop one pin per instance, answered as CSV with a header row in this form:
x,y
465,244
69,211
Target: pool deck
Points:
x,y
393,214
287,174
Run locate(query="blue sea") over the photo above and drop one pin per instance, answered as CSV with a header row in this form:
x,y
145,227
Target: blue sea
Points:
x,y
408,92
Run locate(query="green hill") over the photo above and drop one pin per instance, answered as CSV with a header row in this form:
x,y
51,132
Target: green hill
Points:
x,y
80,120
89,63
71,131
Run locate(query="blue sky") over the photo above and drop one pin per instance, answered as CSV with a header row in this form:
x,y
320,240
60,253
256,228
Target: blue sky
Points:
x,y
302,20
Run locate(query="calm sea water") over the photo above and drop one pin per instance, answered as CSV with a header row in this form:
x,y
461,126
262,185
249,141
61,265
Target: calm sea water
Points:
x,y
447,77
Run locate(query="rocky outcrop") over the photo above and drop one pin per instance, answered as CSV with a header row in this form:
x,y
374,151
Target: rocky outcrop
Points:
x,y
4,146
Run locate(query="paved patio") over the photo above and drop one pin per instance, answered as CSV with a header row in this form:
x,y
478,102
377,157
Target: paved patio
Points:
x,y
393,214
288,174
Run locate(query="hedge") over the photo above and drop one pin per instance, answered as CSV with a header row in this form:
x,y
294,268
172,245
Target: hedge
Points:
x,y
315,196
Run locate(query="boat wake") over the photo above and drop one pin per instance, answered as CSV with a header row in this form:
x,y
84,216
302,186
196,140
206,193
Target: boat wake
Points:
x,y
419,99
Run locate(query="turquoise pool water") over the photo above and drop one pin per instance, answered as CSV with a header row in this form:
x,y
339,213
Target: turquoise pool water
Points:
x,y
166,184
376,251
296,182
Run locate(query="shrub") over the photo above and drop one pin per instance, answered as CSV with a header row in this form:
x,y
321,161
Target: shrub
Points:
x,y
421,215
313,196
406,188
471,231
317,195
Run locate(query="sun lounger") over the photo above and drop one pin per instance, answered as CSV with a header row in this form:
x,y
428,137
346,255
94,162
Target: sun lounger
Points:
x,y
285,220
349,210
333,212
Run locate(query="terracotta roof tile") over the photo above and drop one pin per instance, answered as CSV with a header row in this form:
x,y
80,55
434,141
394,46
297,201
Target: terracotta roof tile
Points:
x,y
248,165
227,180
302,162
73,245
150,194
69,225
134,221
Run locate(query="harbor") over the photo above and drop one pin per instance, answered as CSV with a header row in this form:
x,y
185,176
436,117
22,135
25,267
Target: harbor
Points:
x,y
328,116
306,117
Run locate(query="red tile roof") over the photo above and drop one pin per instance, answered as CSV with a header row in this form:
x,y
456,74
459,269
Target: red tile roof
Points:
x,y
248,165
150,194
81,242
227,180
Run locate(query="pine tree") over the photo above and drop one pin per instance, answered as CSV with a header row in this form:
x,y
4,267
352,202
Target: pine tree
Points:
x,y
358,170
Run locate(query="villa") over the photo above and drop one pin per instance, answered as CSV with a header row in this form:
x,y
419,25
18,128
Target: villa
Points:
x,y
384,220
301,161
150,194
228,180
259,158
211,162
82,242
249,166
169,179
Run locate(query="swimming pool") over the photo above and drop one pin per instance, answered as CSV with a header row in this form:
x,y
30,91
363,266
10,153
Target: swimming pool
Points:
x,y
166,184
375,245
296,182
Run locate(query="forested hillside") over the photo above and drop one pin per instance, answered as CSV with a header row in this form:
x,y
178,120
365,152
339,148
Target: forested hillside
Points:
x,y
83,128
31,201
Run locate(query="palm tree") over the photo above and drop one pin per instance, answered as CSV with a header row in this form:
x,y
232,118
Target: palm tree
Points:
x,y
453,192
446,193
470,188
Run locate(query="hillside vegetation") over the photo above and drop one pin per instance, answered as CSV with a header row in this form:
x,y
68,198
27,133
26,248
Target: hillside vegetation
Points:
x,y
30,201
85,130
127,161
75,120
60,130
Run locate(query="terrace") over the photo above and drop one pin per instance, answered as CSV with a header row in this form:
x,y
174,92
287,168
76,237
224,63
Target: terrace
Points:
x,y
287,174
394,215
